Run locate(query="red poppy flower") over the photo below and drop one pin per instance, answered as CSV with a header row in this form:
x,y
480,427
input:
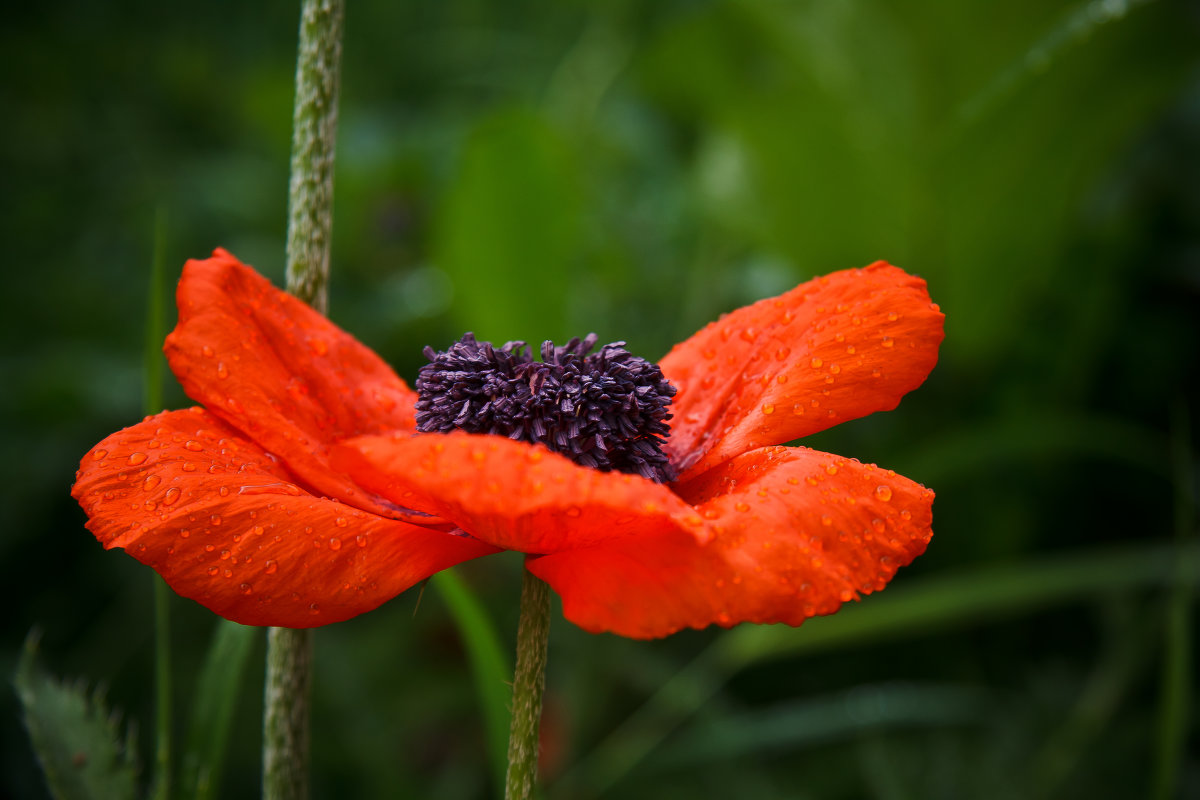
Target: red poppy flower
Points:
x,y
300,496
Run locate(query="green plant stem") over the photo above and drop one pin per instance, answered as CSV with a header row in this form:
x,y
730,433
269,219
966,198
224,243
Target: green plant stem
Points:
x,y
533,633
310,222
285,725
153,403
314,135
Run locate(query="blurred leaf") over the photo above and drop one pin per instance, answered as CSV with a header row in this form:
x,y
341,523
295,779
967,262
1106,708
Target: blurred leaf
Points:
x,y
509,232
77,741
791,726
489,667
217,694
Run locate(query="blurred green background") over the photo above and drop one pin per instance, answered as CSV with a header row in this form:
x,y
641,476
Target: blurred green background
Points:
x,y
540,169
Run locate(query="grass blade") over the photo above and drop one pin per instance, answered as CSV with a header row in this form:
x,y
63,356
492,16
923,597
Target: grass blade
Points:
x,y
221,682
491,671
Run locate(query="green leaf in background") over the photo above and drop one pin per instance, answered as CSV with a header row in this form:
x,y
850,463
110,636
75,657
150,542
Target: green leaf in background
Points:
x,y
510,230
489,667
221,682
77,741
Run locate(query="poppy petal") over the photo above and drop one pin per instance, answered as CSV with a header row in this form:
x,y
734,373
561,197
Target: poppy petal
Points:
x,y
514,495
281,373
798,533
833,349
225,525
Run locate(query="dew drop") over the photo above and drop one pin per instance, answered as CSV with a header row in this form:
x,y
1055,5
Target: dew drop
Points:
x,y
314,609
272,567
884,493
887,341
878,525
246,588
184,533
224,555
257,530
223,491
335,543
906,515
193,445
222,370
215,519
208,548
835,369
228,573
341,522
709,353
782,353
892,317
150,482
816,363
99,454
742,507
136,458
832,469
207,351
826,520
360,540
189,466
768,408
213,570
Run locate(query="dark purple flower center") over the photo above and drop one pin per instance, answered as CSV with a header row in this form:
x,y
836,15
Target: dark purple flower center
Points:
x,y
607,410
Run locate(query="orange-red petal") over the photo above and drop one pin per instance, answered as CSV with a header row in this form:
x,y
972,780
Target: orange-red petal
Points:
x,y
798,533
515,495
226,525
281,373
833,349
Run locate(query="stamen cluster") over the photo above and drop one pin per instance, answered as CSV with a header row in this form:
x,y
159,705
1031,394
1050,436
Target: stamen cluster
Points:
x,y
607,410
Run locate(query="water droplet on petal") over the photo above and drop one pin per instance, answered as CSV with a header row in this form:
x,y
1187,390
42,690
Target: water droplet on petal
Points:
x,y
768,408
341,522
99,454
207,351
816,363
826,519
222,370
878,525
742,507
272,567
150,482
887,341
892,317
246,588
335,543
884,493
215,519
314,609
832,469
360,540
136,458
213,570
193,445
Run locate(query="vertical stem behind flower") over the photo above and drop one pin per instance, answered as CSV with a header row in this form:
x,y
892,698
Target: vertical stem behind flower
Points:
x,y
152,368
533,633
310,222
314,134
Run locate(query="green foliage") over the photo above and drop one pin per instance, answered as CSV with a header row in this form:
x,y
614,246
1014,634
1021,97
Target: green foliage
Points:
x,y
78,742
221,687
489,667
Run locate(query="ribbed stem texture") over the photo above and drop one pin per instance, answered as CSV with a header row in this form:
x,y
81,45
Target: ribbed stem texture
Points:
x,y
533,633
310,222
314,135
